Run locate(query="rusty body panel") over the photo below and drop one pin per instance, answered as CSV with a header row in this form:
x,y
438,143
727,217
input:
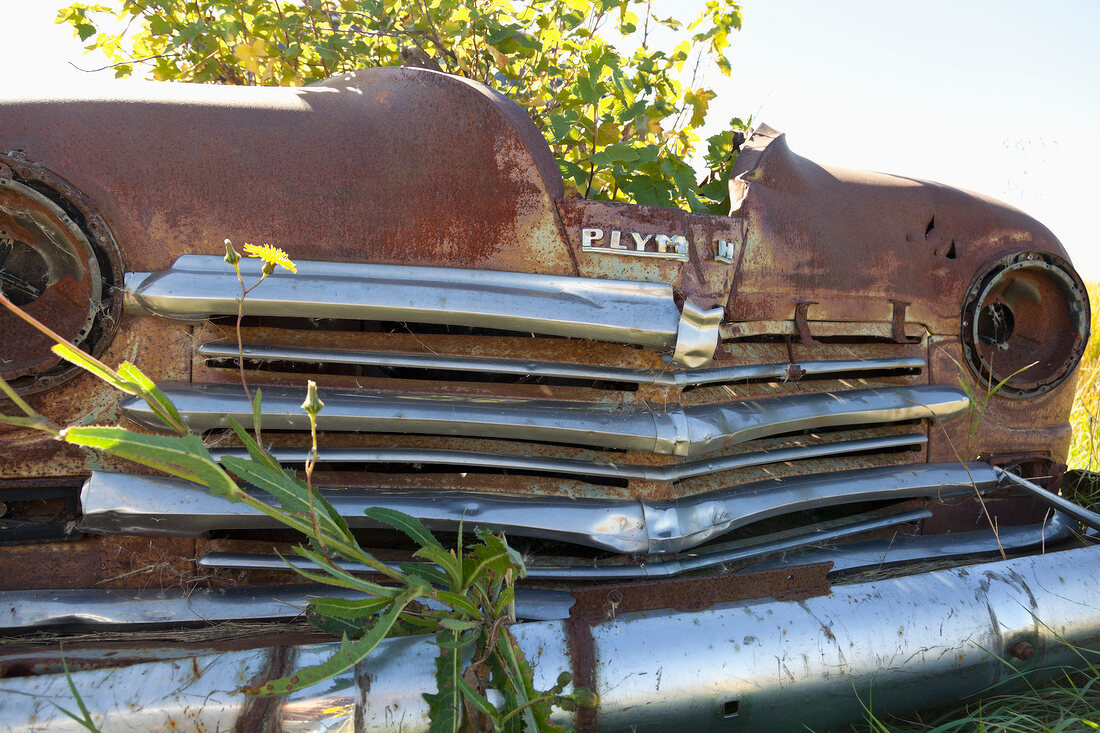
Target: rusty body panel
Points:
x,y
404,170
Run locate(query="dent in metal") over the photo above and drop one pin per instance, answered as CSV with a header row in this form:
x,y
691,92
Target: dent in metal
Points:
x,y
672,430
904,643
124,503
104,607
653,568
696,336
199,286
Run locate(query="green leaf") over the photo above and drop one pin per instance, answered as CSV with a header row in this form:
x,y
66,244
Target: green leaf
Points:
x,y
454,624
73,355
460,643
337,627
459,602
347,656
476,699
154,397
85,719
183,456
339,576
506,599
621,152
492,555
256,412
446,560
411,526
348,609
445,706
428,573
292,495
159,26
258,454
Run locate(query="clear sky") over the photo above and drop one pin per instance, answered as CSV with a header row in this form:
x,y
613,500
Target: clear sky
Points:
x,y
997,97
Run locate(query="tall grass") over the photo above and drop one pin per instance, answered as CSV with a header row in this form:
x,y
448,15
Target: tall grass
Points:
x,y
1085,417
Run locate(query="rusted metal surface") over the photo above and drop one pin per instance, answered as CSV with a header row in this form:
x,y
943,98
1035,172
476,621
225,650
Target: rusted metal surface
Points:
x,y
60,262
1038,424
343,165
101,562
856,240
697,594
162,351
604,603
406,167
1025,323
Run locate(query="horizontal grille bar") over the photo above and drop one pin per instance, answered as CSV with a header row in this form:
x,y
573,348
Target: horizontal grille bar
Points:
x,y
121,503
200,286
110,607
670,430
934,547
519,367
760,547
591,469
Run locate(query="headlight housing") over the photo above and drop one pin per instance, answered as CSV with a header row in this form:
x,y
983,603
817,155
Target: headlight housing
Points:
x,y
1025,322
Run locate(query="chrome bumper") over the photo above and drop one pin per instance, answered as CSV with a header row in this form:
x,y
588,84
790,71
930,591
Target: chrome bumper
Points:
x,y
901,644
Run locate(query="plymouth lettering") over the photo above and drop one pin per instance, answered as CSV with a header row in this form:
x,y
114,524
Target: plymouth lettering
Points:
x,y
636,244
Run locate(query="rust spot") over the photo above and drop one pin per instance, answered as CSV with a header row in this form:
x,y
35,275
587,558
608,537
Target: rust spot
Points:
x,y
582,657
257,710
696,594
1022,650
897,321
801,324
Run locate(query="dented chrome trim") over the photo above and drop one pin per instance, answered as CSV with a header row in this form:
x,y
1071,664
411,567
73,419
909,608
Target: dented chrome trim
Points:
x,y
199,286
125,503
696,336
590,469
672,430
906,643
656,568
561,370
100,607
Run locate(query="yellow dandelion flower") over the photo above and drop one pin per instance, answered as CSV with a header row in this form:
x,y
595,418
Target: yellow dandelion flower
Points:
x,y
270,255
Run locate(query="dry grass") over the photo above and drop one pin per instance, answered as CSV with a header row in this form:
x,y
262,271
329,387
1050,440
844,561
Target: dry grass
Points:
x,y
1084,452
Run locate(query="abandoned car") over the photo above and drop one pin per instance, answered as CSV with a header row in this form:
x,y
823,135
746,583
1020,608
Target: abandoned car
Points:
x,y
811,451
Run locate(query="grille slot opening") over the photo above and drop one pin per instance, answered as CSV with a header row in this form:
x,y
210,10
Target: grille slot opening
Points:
x,y
415,373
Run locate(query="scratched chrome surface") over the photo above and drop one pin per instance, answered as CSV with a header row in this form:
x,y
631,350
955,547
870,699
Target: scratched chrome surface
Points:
x,y
902,643
124,503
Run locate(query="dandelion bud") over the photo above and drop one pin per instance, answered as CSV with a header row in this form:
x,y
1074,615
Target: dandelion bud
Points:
x,y
231,255
313,403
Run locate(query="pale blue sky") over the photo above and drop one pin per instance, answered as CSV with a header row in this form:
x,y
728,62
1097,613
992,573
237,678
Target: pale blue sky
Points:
x,y
998,97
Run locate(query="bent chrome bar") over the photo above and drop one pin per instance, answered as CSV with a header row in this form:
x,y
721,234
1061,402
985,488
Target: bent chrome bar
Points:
x,y
125,503
977,543
923,640
671,430
199,286
1078,512
99,607
591,469
657,568
561,370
